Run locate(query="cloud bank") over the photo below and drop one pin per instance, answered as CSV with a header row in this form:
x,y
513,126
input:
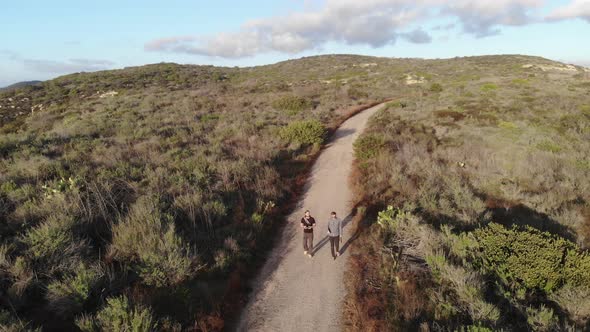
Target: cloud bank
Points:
x,y
373,23
575,9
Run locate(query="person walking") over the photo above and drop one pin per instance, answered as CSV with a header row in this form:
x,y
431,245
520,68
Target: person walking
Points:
x,y
307,223
335,234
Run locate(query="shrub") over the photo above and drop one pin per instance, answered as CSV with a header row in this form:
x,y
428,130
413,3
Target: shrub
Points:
x,y
52,237
148,237
396,104
575,301
367,146
468,286
391,217
69,295
523,257
306,132
577,123
120,315
291,104
507,125
356,93
86,323
474,328
22,274
435,87
541,319
548,146
577,266
456,116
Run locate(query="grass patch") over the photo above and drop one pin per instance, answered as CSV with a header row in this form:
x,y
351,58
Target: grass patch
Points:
x,y
489,87
548,146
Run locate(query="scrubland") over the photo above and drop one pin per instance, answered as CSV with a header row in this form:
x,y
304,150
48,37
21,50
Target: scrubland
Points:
x,y
474,198
146,198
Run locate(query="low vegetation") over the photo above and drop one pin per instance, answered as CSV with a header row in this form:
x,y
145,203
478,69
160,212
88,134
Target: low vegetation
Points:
x,y
144,198
292,104
474,205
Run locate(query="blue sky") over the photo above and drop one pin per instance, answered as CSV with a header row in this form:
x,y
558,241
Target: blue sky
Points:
x,y
45,39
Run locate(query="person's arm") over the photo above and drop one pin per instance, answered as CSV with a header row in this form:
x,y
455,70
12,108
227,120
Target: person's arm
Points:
x,y
329,232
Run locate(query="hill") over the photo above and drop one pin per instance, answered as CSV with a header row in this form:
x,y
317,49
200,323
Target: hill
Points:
x,y
149,194
19,85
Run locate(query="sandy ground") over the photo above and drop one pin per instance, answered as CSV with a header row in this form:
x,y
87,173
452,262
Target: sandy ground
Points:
x,y
294,292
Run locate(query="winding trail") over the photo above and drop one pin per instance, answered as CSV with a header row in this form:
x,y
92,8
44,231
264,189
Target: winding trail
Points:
x,y
294,292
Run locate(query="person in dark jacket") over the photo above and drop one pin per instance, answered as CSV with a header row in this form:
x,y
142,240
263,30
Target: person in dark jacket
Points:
x,y
307,223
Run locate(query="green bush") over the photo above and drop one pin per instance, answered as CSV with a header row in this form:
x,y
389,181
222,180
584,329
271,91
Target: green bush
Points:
x,y
308,132
468,286
291,104
577,266
528,258
390,218
435,87
70,294
474,328
396,104
356,93
148,236
86,323
367,146
120,316
541,319
52,237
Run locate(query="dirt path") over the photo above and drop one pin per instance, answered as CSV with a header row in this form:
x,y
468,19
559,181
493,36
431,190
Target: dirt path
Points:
x,y
294,292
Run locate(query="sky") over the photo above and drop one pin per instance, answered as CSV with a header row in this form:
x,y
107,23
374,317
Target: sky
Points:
x,y
42,39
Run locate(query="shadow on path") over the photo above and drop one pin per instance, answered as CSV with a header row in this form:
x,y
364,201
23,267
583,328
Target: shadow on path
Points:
x,y
320,245
354,236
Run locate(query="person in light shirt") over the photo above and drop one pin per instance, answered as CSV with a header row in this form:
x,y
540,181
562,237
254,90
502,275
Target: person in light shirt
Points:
x,y
335,234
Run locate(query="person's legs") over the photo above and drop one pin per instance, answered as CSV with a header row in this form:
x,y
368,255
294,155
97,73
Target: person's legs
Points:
x,y
332,243
305,247
311,243
337,240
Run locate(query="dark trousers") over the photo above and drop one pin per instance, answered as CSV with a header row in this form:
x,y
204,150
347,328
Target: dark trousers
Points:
x,y
308,242
335,245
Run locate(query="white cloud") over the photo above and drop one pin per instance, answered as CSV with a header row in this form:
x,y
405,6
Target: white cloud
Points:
x,y
575,9
370,22
484,18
